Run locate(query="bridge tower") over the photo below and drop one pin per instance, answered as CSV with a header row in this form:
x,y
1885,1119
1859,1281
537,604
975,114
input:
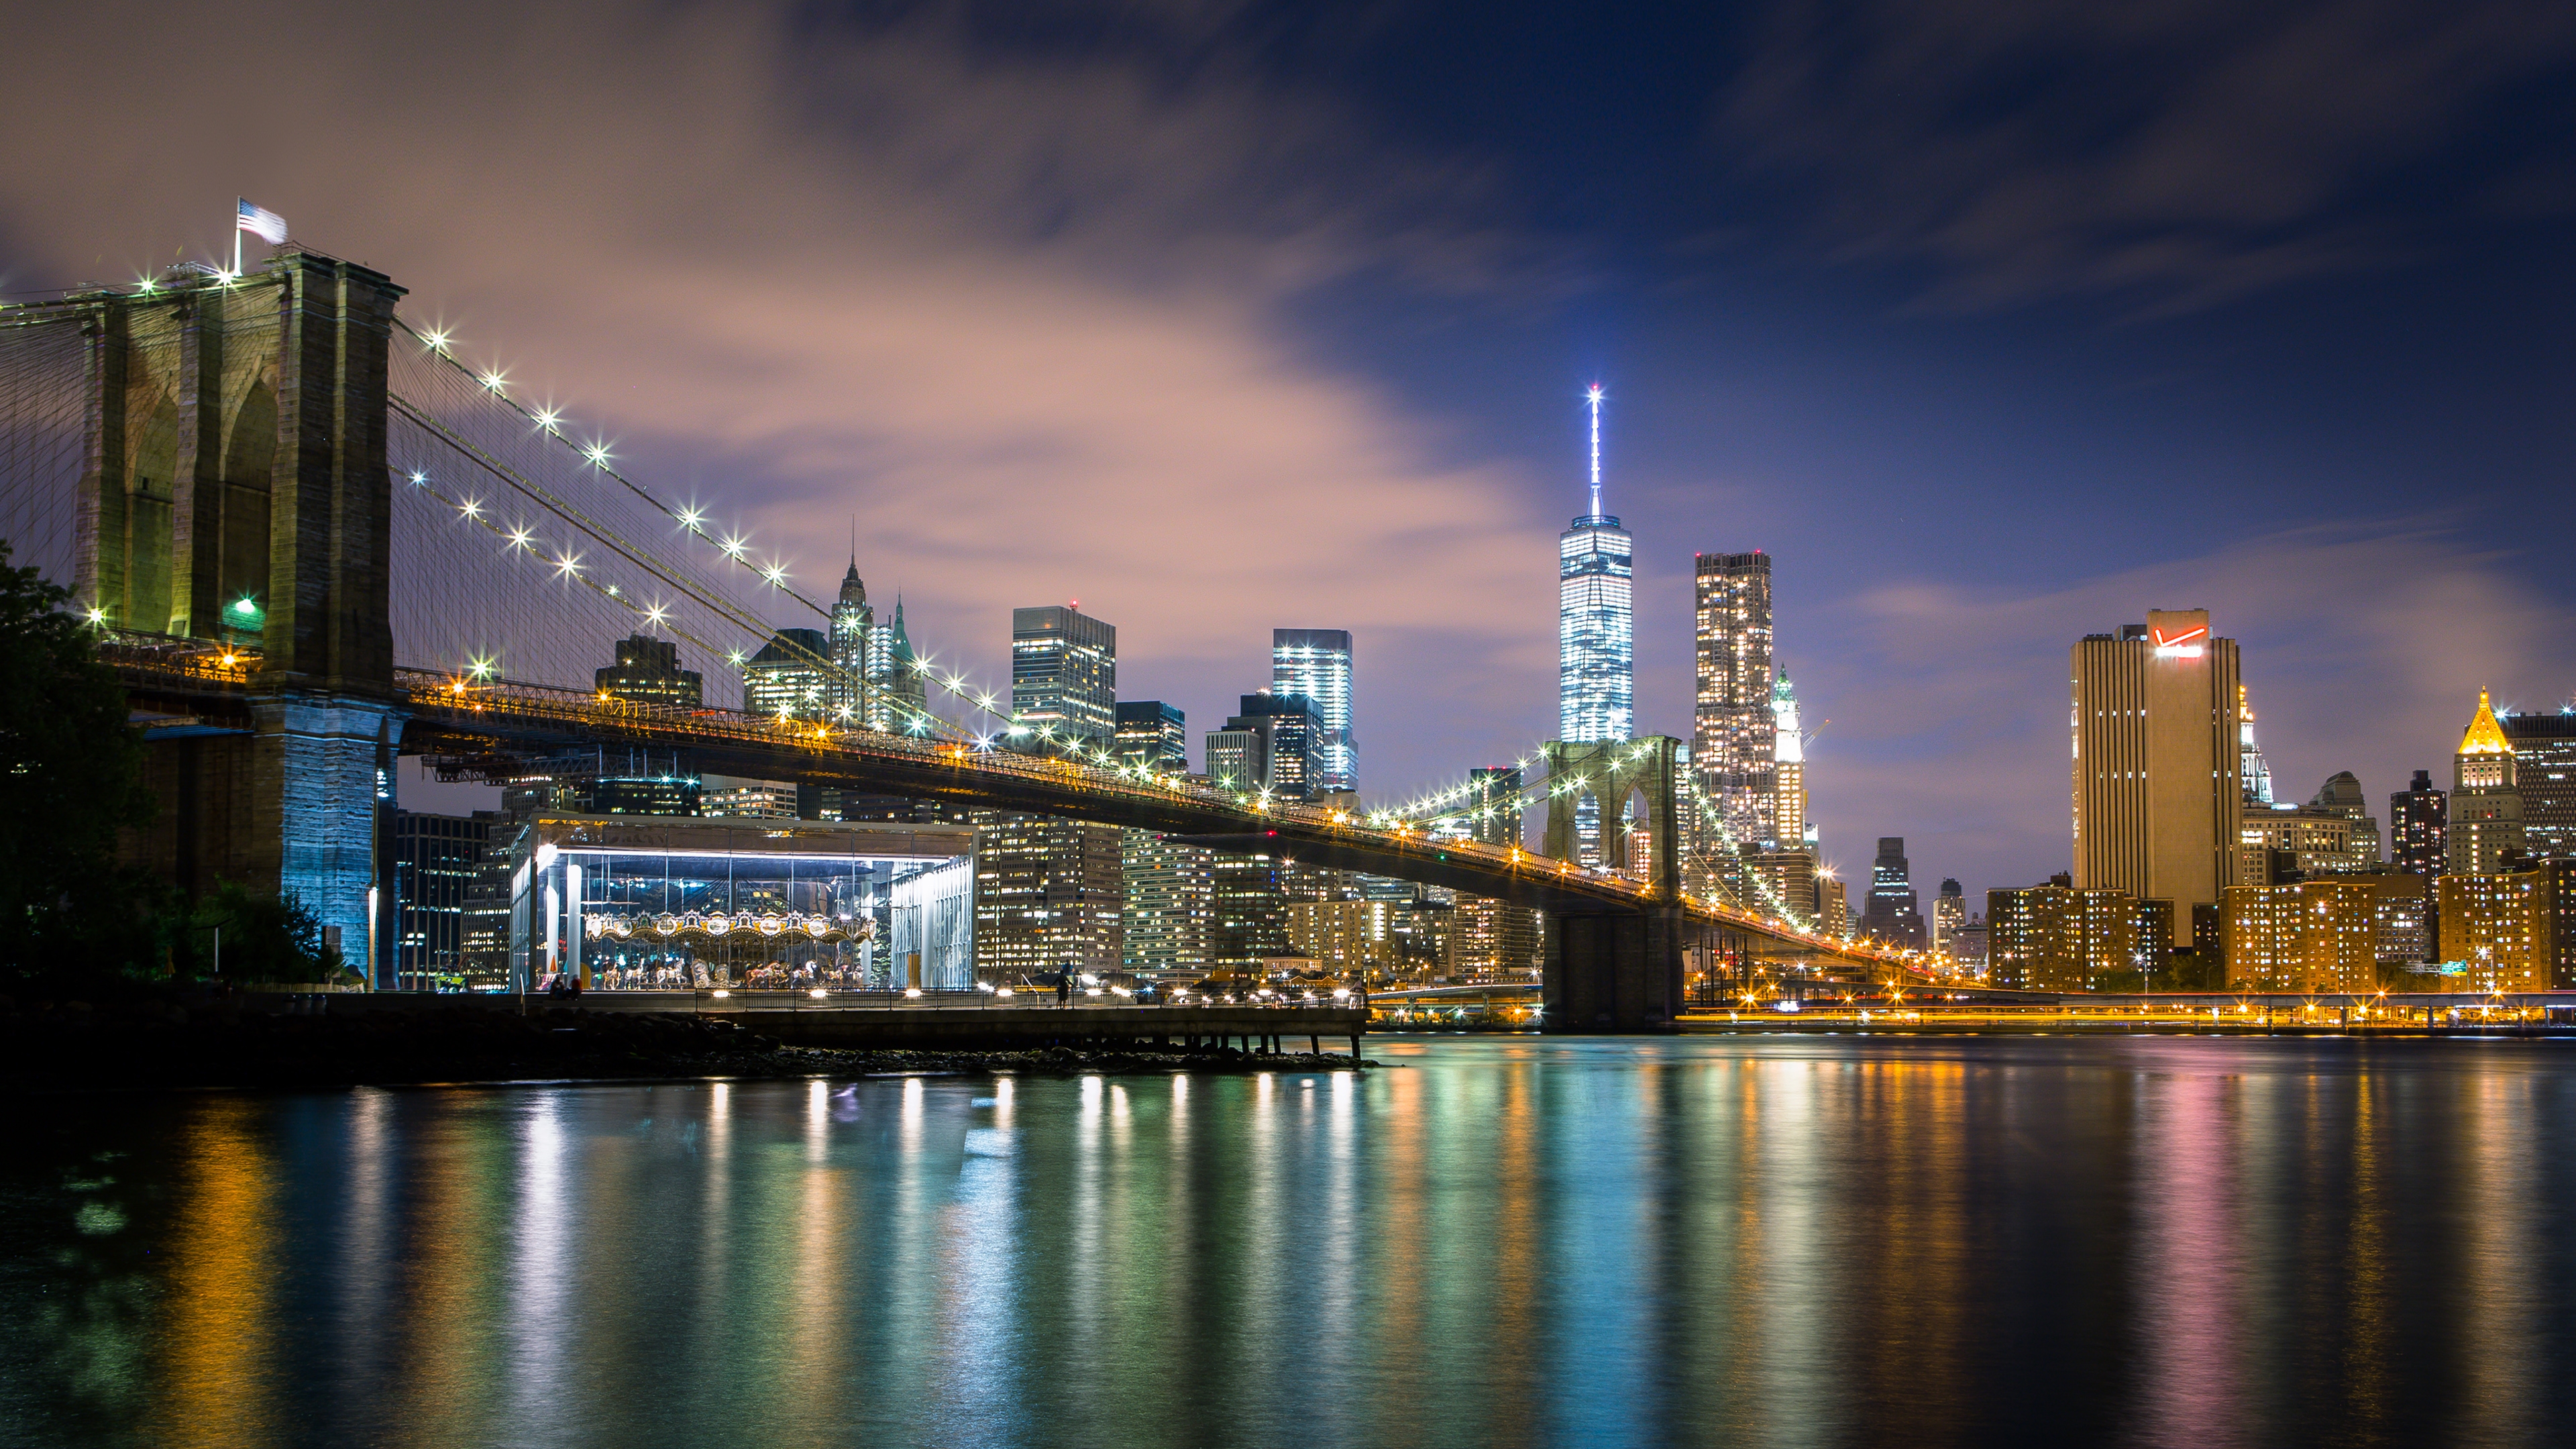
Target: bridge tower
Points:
x,y
233,490
1611,969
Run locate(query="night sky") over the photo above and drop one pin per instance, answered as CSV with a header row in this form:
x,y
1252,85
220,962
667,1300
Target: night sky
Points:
x,y
1997,323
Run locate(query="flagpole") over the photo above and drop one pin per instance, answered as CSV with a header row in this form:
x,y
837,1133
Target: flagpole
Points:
x,y
237,206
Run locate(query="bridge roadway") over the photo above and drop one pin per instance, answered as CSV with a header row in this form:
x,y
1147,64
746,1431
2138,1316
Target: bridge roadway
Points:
x,y
500,721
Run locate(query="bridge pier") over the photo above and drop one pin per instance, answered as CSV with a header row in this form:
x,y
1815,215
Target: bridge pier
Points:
x,y
1611,972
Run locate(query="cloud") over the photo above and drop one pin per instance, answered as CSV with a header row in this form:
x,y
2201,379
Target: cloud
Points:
x,y
2187,152
1027,316
2362,648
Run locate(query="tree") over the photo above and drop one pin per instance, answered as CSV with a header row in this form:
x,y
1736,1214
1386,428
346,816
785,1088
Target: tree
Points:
x,y
71,778
265,938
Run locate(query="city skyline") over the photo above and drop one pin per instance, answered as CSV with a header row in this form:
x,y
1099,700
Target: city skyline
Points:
x,y
2350,367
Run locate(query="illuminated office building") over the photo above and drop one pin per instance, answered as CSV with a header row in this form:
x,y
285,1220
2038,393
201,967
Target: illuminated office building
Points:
x,y
1892,914
1949,915
1154,736
2158,796
1495,939
1316,664
856,693
1790,828
1596,628
1735,730
2318,935
2418,828
2253,776
2484,831
2544,775
792,677
438,862
1833,908
1064,677
648,671
1275,744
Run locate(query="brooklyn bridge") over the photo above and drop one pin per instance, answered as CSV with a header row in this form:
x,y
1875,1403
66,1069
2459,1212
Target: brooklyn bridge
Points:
x,y
312,541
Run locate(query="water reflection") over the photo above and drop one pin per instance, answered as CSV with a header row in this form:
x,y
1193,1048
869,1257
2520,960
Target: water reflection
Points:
x,y
1508,1241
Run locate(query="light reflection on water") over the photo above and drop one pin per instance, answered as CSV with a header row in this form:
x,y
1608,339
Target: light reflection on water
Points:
x,y
1791,1241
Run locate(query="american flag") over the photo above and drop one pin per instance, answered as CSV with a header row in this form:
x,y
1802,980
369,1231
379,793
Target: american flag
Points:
x,y
263,223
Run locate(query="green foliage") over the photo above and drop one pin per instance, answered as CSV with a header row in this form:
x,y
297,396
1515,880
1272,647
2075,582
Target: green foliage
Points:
x,y
71,778
264,938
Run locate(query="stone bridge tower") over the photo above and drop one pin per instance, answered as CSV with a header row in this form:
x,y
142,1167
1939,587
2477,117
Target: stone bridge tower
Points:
x,y
234,491
1617,969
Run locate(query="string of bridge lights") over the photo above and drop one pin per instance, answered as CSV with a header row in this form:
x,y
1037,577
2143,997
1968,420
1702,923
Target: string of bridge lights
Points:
x,y
734,548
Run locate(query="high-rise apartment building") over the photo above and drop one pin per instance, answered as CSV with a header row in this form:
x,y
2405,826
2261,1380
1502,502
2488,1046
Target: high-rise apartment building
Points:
x,y
1892,913
1170,904
2499,932
2158,799
1248,912
2318,935
2058,937
1316,664
792,677
1949,914
1154,736
2418,828
1064,676
2544,775
2484,832
1049,894
1735,734
1596,622
1495,939
1275,744
648,671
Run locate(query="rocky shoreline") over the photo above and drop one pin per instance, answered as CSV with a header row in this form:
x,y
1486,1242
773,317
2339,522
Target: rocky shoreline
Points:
x,y
144,1045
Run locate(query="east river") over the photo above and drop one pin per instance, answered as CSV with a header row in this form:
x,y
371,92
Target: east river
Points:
x,y
1491,1241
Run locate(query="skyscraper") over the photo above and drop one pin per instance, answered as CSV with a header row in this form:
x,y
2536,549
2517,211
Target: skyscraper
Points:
x,y
1316,663
2252,774
906,684
1064,676
648,671
2418,820
2486,807
1892,914
1735,733
2158,798
791,677
1596,629
1170,902
1275,744
1789,829
2544,775
1049,893
1949,915
1153,735
854,698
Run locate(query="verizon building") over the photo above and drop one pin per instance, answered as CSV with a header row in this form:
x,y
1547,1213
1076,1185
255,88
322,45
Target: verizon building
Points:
x,y
2158,805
